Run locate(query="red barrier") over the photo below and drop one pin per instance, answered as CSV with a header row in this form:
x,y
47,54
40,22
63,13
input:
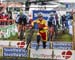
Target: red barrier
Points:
x,y
8,21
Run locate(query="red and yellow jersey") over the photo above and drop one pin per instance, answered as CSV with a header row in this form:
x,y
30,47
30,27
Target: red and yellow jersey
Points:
x,y
41,24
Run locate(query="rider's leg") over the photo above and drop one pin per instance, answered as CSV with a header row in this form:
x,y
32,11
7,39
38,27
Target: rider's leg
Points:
x,y
51,37
19,29
24,28
44,44
57,24
44,38
38,39
55,31
48,35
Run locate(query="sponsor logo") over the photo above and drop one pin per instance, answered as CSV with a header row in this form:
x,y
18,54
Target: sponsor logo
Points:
x,y
21,44
66,54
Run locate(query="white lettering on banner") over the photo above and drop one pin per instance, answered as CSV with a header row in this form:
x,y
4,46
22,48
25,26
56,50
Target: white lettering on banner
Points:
x,y
62,45
20,52
44,14
14,54
41,53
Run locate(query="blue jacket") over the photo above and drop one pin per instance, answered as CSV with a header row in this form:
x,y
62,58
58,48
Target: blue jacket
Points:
x,y
20,16
51,19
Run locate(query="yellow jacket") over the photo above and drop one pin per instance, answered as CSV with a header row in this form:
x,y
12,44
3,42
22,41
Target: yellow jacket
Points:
x,y
42,22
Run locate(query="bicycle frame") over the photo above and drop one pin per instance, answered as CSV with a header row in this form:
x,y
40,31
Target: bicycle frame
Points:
x,y
51,32
29,38
22,32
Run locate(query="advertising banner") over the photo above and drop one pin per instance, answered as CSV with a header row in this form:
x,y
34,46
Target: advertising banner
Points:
x,y
4,43
41,53
16,52
6,32
34,44
45,13
62,45
14,44
64,54
18,44
55,54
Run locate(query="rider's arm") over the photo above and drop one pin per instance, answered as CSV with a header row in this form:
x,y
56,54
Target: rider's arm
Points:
x,y
17,18
46,25
27,18
33,22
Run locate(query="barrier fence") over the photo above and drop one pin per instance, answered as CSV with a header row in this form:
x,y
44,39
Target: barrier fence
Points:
x,y
12,51
7,21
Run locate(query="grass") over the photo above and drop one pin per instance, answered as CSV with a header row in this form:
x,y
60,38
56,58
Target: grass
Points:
x,y
64,37
21,58
13,58
60,37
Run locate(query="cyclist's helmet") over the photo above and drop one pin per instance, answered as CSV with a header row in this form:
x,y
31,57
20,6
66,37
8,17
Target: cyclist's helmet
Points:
x,y
21,12
40,15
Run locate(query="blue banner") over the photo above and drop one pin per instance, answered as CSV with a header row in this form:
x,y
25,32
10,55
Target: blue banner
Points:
x,y
45,13
68,5
16,52
62,45
34,44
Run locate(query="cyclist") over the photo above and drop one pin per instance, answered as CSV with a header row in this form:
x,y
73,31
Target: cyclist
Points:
x,y
42,33
51,20
50,25
21,19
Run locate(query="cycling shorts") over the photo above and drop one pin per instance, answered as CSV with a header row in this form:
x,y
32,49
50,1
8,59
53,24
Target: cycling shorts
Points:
x,y
49,24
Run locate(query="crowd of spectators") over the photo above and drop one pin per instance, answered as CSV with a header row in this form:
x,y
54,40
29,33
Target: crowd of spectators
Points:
x,y
6,18
63,21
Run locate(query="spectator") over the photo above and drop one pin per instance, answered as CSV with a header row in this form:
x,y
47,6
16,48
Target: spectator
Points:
x,y
63,18
50,20
10,14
